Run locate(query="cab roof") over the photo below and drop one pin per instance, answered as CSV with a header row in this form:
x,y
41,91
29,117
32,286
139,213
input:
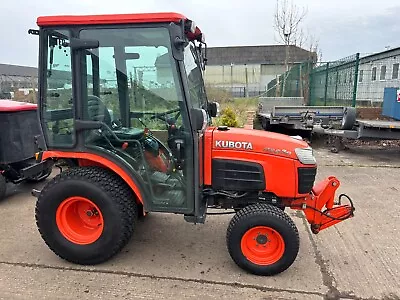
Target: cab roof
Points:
x,y
110,19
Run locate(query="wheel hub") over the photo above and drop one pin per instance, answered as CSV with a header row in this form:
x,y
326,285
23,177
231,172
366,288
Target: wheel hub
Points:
x,y
262,245
92,212
262,239
79,220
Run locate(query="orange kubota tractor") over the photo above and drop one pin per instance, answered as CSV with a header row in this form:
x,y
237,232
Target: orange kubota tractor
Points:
x,y
123,105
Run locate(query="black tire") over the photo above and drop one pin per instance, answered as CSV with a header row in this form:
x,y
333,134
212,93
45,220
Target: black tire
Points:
x,y
3,187
269,216
108,192
349,118
257,123
265,124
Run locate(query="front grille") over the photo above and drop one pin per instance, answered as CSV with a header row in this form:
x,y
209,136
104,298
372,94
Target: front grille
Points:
x,y
306,178
237,175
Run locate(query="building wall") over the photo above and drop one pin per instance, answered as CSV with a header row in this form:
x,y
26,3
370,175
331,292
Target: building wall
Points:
x,y
258,75
334,83
375,75
236,74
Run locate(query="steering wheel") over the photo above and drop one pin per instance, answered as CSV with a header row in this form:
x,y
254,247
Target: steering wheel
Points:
x,y
163,116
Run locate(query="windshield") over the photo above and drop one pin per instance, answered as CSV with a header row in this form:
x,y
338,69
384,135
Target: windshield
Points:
x,y
198,98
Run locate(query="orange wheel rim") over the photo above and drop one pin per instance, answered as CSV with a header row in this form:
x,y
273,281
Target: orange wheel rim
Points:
x,y
262,245
79,220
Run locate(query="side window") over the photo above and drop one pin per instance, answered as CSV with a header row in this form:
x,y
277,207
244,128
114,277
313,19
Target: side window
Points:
x,y
195,80
395,74
383,73
361,76
58,112
101,80
373,74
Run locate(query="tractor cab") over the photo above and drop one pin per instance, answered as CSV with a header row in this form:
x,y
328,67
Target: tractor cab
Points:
x,y
130,93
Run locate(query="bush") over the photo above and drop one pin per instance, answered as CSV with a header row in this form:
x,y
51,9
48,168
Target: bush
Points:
x,y
228,118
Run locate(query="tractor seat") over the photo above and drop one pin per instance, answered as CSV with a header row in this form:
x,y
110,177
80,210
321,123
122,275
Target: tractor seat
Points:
x,y
129,133
99,112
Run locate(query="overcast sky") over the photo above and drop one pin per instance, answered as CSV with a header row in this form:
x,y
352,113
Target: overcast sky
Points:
x,y
343,27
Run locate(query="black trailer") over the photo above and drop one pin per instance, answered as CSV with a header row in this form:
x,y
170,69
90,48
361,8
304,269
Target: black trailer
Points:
x,y
20,138
362,130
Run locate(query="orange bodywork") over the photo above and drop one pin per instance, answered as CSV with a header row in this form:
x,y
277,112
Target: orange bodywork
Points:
x,y
277,156
88,159
279,167
279,172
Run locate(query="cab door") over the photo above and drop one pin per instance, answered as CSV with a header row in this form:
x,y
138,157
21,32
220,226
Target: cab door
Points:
x,y
138,79
196,100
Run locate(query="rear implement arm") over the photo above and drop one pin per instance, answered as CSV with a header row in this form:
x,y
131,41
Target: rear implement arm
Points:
x,y
320,208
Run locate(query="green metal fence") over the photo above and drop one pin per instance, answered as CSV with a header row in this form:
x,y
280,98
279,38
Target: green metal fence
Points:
x,y
293,83
335,83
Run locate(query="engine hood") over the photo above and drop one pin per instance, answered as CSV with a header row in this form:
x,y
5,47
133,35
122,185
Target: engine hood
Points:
x,y
256,141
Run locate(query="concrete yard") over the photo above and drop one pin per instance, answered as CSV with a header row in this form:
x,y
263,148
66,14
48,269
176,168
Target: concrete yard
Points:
x,y
170,259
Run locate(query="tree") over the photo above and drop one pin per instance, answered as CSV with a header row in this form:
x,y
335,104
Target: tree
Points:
x,y
288,24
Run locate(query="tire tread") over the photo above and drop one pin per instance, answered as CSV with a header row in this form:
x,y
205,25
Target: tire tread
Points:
x,y
266,210
111,184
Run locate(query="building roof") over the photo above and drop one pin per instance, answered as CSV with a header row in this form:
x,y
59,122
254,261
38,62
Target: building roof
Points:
x,y
20,71
379,55
268,54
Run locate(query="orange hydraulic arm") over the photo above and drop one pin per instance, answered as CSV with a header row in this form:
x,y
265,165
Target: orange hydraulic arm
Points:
x,y
320,208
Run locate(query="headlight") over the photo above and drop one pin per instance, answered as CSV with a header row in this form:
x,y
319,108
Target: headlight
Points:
x,y
305,156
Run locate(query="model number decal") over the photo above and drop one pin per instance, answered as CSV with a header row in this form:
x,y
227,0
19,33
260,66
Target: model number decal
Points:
x,y
234,145
278,151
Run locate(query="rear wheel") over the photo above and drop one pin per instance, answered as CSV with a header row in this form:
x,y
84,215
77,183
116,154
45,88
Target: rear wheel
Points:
x,y
3,187
86,215
262,239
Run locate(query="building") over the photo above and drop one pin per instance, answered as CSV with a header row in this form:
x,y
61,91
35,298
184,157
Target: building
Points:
x,y
14,78
246,70
376,72
356,80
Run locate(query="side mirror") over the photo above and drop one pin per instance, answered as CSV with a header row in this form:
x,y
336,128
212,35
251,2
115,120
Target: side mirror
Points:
x,y
213,109
199,119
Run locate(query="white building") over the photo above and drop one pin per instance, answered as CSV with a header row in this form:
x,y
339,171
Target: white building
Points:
x,y
359,78
376,72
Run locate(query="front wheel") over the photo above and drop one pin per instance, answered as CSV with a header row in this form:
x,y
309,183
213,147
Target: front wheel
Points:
x,y
86,214
262,239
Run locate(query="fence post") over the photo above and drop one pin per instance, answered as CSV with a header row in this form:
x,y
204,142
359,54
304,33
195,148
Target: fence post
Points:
x,y
356,79
336,84
301,80
310,84
326,83
246,94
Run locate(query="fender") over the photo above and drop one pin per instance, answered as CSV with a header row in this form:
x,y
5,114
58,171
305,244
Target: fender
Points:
x,y
89,159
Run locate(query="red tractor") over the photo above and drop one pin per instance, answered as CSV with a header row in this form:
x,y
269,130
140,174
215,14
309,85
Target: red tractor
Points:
x,y
123,103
